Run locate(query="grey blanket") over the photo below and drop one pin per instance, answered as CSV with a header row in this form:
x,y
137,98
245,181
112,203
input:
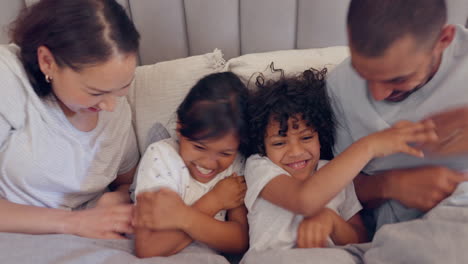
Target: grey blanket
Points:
x,y
440,237
58,249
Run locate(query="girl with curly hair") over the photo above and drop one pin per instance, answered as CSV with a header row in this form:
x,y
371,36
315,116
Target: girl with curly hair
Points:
x,y
295,197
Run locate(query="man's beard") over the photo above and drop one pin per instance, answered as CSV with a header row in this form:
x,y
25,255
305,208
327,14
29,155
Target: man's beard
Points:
x,y
399,96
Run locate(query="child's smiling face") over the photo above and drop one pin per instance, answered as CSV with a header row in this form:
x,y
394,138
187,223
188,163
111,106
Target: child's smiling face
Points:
x,y
297,152
207,158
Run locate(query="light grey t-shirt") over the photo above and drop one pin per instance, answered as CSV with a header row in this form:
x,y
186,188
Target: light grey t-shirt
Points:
x,y
272,227
44,160
358,115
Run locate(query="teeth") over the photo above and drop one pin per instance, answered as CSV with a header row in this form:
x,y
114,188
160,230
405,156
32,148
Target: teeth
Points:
x,y
298,165
203,170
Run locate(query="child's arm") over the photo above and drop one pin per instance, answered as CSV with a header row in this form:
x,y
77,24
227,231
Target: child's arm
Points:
x,y
314,231
151,243
310,196
227,193
230,236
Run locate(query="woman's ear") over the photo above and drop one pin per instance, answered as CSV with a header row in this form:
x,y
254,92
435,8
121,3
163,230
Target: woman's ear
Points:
x,y
46,61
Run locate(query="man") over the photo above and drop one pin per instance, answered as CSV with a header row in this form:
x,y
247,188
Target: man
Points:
x,y
406,64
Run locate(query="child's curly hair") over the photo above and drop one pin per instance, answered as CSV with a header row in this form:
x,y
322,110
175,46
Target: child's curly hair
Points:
x,y
303,95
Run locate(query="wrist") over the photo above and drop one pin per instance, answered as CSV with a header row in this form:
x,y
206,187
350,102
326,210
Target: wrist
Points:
x,y
217,203
69,223
186,216
332,217
365,147
386,186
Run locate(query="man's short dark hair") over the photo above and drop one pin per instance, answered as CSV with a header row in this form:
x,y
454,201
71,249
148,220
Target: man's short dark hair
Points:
x,y
374,25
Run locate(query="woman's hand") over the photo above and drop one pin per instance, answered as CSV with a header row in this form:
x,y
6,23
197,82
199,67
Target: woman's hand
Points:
x,y
160,210
104,222
230,192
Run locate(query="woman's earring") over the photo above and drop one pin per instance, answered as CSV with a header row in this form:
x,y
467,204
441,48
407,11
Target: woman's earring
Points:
x,y
48,79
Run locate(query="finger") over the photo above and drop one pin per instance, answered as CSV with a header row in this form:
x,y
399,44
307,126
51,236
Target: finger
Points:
x,y
123,227
451,119
412,151
408,127
300,238
426,127
113,235
456,178
402,123
320,239
121,209
422,137
308,239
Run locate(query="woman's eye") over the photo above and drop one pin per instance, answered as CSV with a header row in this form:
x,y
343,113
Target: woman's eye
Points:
x,y
307,138
224,154
199,147
96,94
277,144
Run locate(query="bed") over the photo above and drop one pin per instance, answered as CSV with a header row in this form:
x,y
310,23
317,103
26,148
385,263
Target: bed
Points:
x,y
185,40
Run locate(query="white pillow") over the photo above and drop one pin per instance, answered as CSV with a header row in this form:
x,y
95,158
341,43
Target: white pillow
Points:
x,y
248,66
158,89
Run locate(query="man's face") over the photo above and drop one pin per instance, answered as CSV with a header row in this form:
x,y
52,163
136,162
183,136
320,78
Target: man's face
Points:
x,y
400,71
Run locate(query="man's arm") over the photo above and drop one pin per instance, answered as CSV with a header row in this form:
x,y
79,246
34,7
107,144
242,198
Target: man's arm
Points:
x,y
421,188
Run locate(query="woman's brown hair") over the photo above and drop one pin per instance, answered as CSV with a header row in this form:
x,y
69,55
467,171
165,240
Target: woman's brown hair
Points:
x,y
79,33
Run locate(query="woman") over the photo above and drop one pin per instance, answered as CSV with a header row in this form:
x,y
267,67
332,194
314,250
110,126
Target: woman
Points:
x,y
65,125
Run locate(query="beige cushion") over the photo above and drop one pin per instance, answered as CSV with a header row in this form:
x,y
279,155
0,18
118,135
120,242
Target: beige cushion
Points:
x,y
247,67
159,88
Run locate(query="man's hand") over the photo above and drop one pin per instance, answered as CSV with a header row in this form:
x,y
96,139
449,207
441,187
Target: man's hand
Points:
x,y
422,188
452,131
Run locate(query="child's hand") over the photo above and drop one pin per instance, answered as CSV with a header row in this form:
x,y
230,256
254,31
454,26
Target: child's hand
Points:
x,y
399,137
159,210
230,192
314,231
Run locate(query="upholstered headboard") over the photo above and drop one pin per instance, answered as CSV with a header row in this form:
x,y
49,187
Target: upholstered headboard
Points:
x,y
179,28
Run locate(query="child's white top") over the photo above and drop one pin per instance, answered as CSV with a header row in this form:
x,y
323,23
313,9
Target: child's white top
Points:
x,y
161,166
272,227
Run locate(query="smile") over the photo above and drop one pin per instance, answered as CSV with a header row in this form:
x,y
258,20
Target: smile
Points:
x,y
94,109
203,171
298,165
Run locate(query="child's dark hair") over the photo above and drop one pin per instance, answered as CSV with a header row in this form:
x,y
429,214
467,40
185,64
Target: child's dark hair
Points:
x,y
304,95
215,106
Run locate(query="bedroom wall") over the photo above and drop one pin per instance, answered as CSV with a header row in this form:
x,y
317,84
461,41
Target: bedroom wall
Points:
x,y
173,29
